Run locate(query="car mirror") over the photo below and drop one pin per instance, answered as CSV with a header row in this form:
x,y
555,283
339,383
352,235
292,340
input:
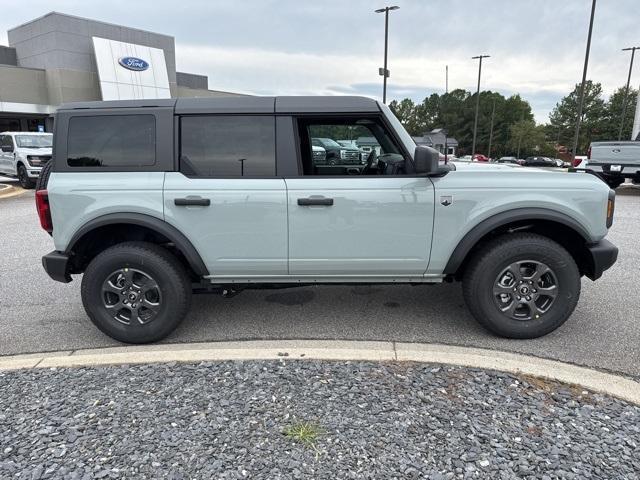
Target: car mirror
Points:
x,y
426,160
7,149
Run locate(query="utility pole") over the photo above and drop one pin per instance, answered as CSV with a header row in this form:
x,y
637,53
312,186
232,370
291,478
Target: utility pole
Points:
x,y
584,81
626,90
384,72
475,122
446,79
493,114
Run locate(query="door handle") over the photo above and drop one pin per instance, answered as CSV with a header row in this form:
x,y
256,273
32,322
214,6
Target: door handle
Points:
x,y
195,201
324,201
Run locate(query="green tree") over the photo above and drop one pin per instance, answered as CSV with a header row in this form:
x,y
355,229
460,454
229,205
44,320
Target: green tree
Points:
x,y
593,120
527,138
613,116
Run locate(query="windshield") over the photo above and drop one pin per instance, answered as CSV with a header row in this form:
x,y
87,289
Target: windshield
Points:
x,y
34,141
405,138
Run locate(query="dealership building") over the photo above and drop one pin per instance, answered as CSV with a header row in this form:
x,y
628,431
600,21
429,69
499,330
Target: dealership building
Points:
x,y
60,58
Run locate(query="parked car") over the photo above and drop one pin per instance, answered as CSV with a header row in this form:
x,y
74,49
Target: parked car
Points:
x,y
338,154
23,154
539,162
614,161
512,160
478,157
201,194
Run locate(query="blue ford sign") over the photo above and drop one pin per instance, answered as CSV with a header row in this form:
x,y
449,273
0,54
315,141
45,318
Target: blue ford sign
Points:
x,y
133,63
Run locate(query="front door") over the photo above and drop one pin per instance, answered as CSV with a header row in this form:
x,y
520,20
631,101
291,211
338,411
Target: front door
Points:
x,y
6,157
226,198
369,221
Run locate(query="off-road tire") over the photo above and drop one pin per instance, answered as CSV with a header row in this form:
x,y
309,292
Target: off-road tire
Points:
x,y
157,262
488,263
43,178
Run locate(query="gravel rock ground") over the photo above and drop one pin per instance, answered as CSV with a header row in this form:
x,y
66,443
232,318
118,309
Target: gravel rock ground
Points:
x,y
365,420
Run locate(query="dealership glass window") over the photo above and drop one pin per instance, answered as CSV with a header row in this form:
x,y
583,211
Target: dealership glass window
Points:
x,y
227,146
112,141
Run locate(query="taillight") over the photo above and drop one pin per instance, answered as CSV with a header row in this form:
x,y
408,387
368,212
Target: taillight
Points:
x,y
44,211
576,162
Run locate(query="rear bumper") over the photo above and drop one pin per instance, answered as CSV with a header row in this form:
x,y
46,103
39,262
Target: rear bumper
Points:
x,y
602,256
626,171
56,265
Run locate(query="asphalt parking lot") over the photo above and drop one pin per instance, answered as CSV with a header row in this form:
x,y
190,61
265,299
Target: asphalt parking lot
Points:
x,y
38,314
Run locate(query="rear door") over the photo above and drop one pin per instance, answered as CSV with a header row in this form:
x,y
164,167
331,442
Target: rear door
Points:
x,y
362,222
226,197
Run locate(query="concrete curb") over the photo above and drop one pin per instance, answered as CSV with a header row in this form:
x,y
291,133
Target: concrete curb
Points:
x,y
587,378
7,191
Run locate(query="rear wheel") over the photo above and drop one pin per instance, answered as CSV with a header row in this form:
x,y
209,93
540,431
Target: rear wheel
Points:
x,y
23,178
614,182
136,292
522,286
43,178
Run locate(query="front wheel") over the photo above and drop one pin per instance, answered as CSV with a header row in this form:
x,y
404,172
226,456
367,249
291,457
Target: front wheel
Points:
x,y
136,292
522,285
23,178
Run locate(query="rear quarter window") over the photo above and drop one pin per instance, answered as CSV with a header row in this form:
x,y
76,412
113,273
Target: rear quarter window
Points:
x,y
111,141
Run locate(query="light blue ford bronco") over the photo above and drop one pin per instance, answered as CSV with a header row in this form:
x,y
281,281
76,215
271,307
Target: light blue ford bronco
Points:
x,y
156,199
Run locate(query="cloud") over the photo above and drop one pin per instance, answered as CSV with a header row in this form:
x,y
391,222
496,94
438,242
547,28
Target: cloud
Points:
x,y
335,46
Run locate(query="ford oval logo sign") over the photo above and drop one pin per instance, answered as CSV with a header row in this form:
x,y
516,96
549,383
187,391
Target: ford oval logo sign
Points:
x,y
133,63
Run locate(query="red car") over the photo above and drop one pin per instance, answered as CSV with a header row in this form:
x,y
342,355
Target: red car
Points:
x,y
478,157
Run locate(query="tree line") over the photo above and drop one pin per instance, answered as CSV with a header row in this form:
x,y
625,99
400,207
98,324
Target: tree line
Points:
x,y
515,131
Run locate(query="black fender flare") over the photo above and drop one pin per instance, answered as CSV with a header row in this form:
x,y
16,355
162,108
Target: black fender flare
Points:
x,y
486,226
181,242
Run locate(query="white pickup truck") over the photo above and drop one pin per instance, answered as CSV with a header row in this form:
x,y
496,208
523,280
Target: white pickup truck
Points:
x,y
615,161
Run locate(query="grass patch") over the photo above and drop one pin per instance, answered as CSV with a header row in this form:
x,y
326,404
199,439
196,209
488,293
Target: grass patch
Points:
x,y
306,433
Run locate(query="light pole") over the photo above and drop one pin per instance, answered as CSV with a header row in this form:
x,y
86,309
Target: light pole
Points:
x,y
385,71
626,90
493,114
584,80
475,122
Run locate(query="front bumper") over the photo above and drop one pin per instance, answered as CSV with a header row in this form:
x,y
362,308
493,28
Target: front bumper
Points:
x,y
33,171
56,265
602,256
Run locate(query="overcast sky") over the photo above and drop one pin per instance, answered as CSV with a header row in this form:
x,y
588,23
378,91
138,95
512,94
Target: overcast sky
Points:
x,y
336,46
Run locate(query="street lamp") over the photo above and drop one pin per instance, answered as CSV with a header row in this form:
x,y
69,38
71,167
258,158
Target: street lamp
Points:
x,y
475,122
384,72
626,90
584,81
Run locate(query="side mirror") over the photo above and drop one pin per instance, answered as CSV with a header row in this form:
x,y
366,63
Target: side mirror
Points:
x,y
426,160
7,149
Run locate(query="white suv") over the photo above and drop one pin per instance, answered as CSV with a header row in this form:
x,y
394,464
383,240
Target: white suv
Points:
x,y
23,154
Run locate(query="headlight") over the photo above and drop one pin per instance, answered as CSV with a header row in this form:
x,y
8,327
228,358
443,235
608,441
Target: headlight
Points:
x,y
343,153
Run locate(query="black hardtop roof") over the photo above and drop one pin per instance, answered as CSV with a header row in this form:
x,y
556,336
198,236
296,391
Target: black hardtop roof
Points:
x,y
247,104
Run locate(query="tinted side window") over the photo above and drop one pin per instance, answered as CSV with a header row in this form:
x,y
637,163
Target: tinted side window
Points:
x,y
214,146
5,142
112,141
